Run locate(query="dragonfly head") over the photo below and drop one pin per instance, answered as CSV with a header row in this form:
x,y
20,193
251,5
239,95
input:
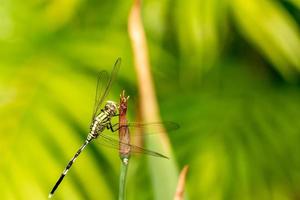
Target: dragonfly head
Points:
x,y
111,107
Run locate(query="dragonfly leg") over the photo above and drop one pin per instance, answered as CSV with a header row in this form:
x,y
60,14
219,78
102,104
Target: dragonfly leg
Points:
x,y
114,127
111,127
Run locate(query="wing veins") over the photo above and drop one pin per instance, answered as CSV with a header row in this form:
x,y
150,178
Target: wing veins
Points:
x,y
114,143
107,83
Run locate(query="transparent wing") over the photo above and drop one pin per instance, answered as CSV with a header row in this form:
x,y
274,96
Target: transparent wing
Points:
x,y
104,84
110,142
138,128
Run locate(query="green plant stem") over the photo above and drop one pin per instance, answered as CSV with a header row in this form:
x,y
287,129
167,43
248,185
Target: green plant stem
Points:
x,y
122,181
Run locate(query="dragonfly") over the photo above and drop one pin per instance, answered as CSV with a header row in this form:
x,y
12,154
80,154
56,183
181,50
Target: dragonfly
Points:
x,y
102,120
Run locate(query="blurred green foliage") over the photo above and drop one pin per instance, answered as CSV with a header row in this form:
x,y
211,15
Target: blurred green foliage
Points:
x,y
227,71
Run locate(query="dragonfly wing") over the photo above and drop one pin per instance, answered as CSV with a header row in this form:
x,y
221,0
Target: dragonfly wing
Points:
x,y
111,142
104,84
138,128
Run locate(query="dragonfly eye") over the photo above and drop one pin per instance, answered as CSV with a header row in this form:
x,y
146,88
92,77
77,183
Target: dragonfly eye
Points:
x,y
111,107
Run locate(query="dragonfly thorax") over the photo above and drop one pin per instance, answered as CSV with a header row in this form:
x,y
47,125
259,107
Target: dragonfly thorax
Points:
x,y
102,120
98,125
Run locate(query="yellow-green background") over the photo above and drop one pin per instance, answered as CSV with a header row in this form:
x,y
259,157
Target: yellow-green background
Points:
x,y
226,70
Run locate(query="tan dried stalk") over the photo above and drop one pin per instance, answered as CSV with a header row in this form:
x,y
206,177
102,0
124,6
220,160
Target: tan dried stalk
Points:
x,y
148,103
179,195
163,174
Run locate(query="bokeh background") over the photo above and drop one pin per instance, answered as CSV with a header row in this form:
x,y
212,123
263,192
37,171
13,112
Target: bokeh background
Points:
x,y
226,71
